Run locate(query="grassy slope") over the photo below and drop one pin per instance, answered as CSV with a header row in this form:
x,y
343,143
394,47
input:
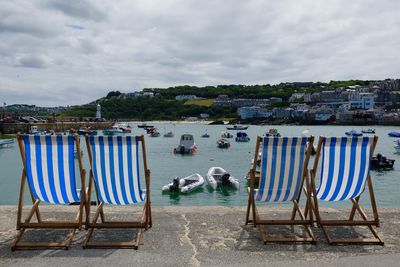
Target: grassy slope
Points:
x,y
200,102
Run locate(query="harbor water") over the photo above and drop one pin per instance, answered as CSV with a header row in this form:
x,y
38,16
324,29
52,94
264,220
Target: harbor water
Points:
x,y
165,166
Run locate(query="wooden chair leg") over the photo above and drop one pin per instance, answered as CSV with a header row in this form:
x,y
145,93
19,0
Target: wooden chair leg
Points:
x,y
248,211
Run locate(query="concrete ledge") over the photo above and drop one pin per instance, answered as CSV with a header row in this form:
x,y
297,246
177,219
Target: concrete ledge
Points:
x,y
183,236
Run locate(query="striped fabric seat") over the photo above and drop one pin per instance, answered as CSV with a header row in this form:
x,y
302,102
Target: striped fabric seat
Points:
x,y
115,166
282,164
50,168
345,167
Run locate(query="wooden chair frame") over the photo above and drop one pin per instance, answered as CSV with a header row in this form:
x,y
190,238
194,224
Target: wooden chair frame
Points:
x,y
22,226
144,223
324,224
306,218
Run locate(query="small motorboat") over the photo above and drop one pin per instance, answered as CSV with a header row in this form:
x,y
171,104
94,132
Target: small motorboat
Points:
x,y
205,135
381,162
368,131
122,127
223,143
272,132
218,176
226,135
169,134
186,145
242,137
112,131
184,185
394,134
154,133
86,131
237,127
150,130
144,126
4,143
397,145
354,133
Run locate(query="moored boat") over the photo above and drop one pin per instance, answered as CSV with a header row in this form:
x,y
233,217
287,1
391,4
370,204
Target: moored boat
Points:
x,y
110,132
237,127
186,145
184,185
86,131
122,127
368,131
353,133
242,137
6,143
394,134
169,134
223,143
155,134
226,135
205,135
144,126
381,162
272,132
217,176
397,145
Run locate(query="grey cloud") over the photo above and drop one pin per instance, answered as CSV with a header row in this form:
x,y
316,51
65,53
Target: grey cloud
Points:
x,y
32,61
83,9
128,45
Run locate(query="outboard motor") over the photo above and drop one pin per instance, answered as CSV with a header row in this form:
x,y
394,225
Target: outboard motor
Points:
x,y
225,179
175,185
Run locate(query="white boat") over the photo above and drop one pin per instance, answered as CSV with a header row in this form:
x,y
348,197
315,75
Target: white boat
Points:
x,y
34,130
397,145
186,145
368,131
169,134
122,127
223,143
237,127
272,132
226,135
205,135
6,143
218,176
184,185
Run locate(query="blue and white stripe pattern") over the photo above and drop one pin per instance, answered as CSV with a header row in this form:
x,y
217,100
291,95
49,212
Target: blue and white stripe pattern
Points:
x,y
345,167
115,167
282,166
50,168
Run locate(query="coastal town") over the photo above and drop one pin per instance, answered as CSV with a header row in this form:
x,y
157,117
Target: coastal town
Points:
x,y
377,103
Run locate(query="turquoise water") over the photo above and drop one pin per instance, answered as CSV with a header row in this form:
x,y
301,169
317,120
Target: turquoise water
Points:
x,y
164,165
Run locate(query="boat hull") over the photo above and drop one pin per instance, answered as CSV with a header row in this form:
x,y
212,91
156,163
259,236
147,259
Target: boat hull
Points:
x,y
187,184
214,176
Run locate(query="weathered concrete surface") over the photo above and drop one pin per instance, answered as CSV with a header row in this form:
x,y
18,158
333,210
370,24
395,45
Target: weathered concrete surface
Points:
x,y
183,236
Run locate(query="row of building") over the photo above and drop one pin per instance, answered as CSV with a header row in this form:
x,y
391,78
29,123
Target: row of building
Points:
x,y
344,104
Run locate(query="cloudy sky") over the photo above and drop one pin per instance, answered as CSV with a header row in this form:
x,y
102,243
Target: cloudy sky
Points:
x,y
72,52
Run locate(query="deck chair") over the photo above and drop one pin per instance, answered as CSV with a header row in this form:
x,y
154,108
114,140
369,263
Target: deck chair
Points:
x,y
344,176
49,167
115,173
283,177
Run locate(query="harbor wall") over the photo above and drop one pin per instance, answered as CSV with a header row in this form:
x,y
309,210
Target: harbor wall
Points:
x,y
13,128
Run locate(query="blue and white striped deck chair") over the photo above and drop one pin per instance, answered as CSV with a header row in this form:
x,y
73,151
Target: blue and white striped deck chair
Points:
x,y
283,178
49,168
345,176
115,172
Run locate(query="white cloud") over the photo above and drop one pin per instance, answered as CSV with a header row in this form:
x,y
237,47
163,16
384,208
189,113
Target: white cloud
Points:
x,y
72,52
